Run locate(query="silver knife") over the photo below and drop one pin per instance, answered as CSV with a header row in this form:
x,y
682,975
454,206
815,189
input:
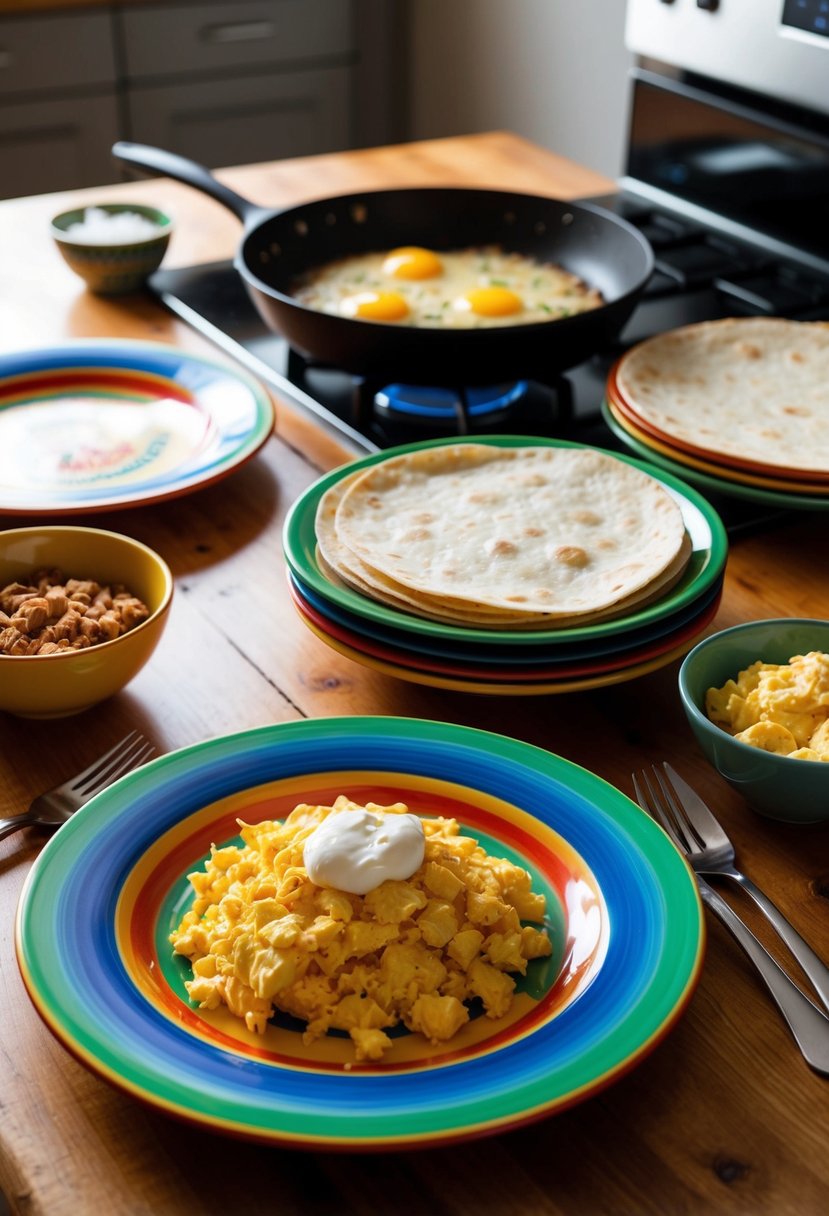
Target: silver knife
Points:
x,y
809,1026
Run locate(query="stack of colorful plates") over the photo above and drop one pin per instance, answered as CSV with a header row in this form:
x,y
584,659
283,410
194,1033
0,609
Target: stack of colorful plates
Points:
x,y
499,661
738,407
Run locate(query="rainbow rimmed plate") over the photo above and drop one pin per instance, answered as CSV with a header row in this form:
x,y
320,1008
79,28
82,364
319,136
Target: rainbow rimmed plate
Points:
x,y
623,912
95,426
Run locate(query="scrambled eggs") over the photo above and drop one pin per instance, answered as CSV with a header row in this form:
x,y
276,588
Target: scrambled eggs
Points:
x,y
262,936
782,708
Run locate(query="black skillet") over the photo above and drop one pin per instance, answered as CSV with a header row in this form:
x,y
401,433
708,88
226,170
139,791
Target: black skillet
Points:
x,y
278,246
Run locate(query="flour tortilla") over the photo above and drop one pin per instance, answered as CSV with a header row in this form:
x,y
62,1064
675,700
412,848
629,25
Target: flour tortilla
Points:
x,y
654,591
344,568
754,389
338,558
559,533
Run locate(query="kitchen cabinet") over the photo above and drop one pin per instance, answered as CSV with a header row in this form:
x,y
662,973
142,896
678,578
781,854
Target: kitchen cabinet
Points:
x,y
256,118
58,110
227,83
53,145
223,82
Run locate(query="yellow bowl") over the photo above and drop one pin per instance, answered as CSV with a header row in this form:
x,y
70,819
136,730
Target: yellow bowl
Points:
x,y
56,685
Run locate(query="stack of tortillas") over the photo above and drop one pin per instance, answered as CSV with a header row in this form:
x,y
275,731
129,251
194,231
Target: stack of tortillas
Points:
x,y
506,538
742,402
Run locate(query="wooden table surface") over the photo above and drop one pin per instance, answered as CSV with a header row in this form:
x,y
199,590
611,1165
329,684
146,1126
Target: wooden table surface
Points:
x,y
724,1116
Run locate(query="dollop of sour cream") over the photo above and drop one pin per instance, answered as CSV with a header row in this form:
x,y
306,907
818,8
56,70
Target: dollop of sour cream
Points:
x,y
355,851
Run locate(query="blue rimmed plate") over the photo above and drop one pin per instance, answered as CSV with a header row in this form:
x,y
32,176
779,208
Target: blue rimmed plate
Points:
x,y
624,917
95,426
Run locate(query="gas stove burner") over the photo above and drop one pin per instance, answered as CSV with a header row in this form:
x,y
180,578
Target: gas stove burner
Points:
x,y
434,406
405,413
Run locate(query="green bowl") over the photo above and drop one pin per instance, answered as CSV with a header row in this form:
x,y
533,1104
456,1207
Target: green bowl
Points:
x,y
796,791
113,269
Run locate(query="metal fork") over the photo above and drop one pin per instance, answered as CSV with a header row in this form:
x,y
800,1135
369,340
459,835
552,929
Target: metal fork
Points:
x,y
809,1026
710,852
54,807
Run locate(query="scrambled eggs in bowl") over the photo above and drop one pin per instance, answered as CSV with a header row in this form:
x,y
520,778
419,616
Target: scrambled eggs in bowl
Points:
x,y
263,936
756,697
780,707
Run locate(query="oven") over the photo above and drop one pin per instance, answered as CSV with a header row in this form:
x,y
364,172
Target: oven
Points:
x,y
727,174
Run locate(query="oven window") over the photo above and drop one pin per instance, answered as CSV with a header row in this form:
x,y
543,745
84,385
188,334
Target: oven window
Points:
x,y
811,15
771,179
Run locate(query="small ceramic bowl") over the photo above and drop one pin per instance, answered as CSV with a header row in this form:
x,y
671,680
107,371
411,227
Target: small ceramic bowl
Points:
x,y
796,791
113,267
56,685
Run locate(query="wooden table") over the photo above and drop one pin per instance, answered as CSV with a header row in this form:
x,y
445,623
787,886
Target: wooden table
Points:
x,y
724,1116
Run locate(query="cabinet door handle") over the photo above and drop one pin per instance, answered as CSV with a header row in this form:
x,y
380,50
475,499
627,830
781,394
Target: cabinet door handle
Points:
x,y
6,58
238,31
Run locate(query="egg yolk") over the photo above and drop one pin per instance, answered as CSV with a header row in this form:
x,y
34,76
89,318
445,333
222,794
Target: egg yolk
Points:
x,y
412,262
490,302
375,306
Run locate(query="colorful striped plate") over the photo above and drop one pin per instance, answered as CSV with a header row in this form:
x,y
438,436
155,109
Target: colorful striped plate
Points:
x,y
623,913
327,628
95,426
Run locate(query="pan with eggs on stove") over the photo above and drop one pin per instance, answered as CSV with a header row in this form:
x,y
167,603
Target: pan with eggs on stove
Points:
x,y
490,331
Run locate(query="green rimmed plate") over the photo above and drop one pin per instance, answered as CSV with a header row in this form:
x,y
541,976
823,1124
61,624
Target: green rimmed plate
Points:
x,y
706,530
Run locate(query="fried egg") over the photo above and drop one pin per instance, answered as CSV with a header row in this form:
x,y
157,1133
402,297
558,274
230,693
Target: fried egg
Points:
x,y
412,262
457,289
375,306
490,302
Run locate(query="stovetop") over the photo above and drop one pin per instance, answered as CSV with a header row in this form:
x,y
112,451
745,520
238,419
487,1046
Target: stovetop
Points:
x,y
365,417
700,275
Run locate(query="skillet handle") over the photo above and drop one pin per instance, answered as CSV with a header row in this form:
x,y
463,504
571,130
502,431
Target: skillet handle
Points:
x,y
155,162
